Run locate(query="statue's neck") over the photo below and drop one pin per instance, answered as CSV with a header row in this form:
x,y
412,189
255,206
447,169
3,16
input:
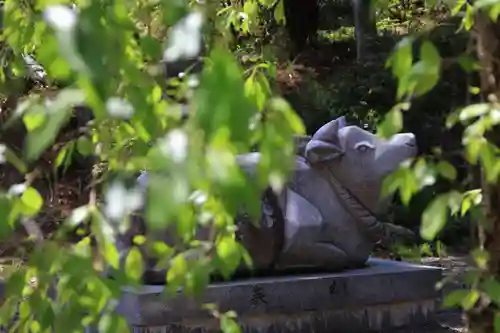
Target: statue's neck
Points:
x,y
365,218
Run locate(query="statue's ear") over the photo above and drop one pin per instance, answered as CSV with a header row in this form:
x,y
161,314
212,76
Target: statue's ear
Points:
x,y
325,143
321,151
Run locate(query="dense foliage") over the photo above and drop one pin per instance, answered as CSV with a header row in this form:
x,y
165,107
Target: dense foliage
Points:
x,y
105,55
195,177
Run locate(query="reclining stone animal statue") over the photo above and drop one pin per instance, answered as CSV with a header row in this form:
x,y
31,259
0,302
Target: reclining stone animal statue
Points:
x,y
326,216
332,200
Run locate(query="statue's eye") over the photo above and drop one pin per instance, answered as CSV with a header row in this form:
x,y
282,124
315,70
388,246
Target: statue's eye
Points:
x,y
364,146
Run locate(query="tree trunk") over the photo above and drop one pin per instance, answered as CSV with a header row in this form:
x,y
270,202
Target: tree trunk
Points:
x,y
487,33
365,27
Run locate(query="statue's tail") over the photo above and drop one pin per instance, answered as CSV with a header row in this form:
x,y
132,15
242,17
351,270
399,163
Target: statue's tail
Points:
x,y
277,216
265,240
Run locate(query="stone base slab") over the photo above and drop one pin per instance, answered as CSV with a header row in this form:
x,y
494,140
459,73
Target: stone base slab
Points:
x,y
384,295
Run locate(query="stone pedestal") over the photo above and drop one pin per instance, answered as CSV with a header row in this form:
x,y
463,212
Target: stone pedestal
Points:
x,y
384,295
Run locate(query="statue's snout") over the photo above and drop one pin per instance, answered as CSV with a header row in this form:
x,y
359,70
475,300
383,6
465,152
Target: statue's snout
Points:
x,y
407,139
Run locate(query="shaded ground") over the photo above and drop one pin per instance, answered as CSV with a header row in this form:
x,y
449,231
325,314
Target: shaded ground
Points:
x,y
448,320
62,192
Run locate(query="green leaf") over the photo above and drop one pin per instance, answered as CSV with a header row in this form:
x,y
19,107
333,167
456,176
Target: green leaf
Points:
x,y
251,8
292,120
474,90
458,6
197,279
470,299
471,199
491,165
79,215
492,288
425,81
24,310
177,272
481,257
468,63
6,154
434,217
468,20
279,12
64,156
255,90
473,111
392,123
139,240
15,284
454,298
473,148
161,250
5,211
112,323
84,146
34,119
221,101
430,55
44,311
8,310
111,255
484,3
425,74
422,76
408,187
35,327
186,223
401,58
267,3
229,254
447,170
134,264
32,202
426,250
29,103
229,325
165,197
452,119
454,202
494,12
58,112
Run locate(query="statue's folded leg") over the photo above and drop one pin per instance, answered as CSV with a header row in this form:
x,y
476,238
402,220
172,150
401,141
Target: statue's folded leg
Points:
x,y
314,255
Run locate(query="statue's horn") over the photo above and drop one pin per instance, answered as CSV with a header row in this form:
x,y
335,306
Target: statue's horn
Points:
x,y
328,132
342,121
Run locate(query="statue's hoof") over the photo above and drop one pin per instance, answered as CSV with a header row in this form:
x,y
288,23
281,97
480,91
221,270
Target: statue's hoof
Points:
x,y
399,234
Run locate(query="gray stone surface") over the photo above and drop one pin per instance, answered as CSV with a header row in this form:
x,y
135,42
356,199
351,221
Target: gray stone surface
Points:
x,y
384,295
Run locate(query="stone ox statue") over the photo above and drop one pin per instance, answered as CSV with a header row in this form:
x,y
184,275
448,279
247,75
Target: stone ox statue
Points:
x,y
326,216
